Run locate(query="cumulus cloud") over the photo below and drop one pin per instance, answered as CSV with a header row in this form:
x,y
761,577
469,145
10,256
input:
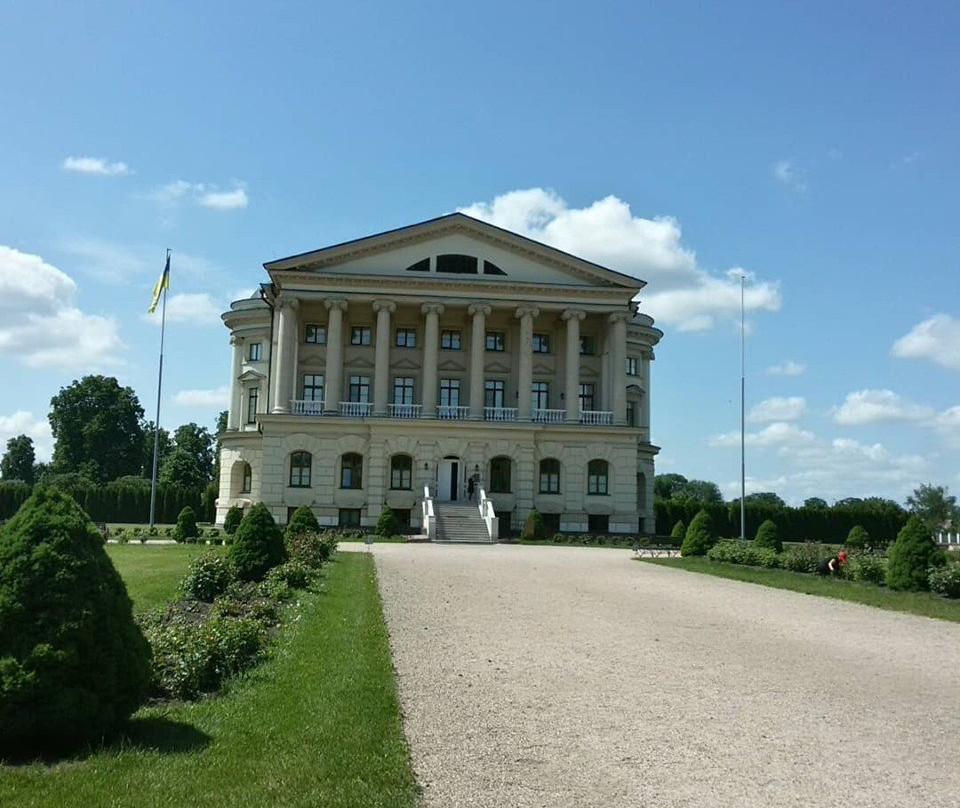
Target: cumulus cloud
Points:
x,y
872,406
95,165
39,324
195,308
790,174
787,368
680,293
937,338
778,409
225,200
208,196
203,398
776,435
24,423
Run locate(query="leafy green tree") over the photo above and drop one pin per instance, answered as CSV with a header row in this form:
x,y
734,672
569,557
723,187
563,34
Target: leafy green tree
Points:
x,y
164,447
700,536
911,556
75,484
186,528
232,520
815,502
858,538
933,505
767,498
181,468
768,537
388,524
198,443
302,521
702,491
257,545
220,428
96,428
19,461
665,485
73,664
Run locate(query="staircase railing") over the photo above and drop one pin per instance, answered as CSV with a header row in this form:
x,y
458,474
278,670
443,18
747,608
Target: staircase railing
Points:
x,y
429,517
489,516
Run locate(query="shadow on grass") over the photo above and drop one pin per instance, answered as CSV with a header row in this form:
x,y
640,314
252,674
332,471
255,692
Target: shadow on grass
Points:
x,y
149,734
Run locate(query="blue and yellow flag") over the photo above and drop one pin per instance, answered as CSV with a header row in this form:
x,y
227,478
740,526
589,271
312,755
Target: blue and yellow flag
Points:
x,y
161,284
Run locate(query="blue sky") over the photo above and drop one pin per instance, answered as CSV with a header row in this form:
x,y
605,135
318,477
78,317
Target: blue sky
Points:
x,y
813,146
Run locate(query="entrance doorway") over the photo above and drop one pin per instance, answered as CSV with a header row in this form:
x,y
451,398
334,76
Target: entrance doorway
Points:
x,y
448,479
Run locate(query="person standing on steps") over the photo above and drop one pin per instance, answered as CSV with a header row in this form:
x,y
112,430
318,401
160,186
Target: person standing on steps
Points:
x,y
471,488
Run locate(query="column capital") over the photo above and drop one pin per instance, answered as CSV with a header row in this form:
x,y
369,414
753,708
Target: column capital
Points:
x,y
431,308
286,301
526,311
479,308
235,340
336,304
574,314
618,317
380,305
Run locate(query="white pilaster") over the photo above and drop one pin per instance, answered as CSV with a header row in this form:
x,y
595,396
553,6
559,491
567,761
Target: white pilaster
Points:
x,y
617,335
236,391
333,384
431,353
525,375
381,371
645,398
572,393
478,341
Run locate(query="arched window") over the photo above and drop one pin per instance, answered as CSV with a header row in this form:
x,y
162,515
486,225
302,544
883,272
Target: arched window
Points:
x,y
300,464
247,484
550,476
500,475
401,472
351,471
597,473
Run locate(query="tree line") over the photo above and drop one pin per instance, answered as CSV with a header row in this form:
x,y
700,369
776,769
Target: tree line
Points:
x,y
103,457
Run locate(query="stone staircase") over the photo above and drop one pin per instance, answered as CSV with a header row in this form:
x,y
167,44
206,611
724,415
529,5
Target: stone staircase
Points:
x,y
460,523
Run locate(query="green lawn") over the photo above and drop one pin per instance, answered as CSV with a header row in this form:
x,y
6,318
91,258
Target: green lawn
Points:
x,y
152,572
318,724
921,603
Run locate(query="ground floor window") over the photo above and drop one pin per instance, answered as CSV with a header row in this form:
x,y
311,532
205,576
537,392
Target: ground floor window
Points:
x,y
550,476
500,475
598,523
403,519
349,517
551,522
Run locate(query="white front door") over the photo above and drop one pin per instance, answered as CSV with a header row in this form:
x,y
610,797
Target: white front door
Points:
x,y
448,480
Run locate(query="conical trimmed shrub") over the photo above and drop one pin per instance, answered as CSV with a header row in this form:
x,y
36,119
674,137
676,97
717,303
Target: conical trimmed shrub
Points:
x,y
73,664
912,555
257,545
768,537
387,524
186,529
858,538
232,520
679,530
302,521
700,536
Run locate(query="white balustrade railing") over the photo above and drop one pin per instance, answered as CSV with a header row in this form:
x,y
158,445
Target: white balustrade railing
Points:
x,y
948,537
499,413
355,409
596,417
299,407
429,522
449,412
549,416
489,515
405,410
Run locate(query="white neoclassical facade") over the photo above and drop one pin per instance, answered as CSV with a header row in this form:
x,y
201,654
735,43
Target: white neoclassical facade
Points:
x,y
426,357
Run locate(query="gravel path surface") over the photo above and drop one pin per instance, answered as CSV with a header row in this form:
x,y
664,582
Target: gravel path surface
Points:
x,y
534,676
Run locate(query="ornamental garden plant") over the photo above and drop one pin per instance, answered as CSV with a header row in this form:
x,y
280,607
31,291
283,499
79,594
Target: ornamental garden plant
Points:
x,y
911,557
768,537
700,536
257,545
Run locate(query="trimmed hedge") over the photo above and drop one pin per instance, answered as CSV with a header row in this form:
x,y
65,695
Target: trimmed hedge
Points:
x,y
700,536
257,545
912,555
768,537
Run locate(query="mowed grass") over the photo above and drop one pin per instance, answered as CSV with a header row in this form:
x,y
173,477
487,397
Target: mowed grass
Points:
x,y
318,724
924,604
152,571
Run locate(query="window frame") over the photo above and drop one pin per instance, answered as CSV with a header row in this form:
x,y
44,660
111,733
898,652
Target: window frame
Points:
x,y
452,385
253,404
588,345
361,335
494,390
356,386
451,336
598,478
405,384
548,480
540,398
304,473
314,387
246,484
541,343
254,351
501,475
588,392
400,475
354,482
405,338
496,339
318,336
633,366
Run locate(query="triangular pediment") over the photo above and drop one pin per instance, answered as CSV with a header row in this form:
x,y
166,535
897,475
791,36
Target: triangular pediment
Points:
x,y
251,376
414,252
359,364
406,364
542,368
450,365
496,367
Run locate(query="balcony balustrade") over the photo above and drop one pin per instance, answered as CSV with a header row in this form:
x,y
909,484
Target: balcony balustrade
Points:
x,y
300,407
548,416
499,413
449,412
596,417
356,409
405,410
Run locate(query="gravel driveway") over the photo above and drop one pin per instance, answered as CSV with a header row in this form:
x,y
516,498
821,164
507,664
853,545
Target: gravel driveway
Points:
x,y
534,676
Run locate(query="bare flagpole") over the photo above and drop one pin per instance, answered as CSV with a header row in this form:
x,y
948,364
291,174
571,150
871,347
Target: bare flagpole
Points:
x,y
743,384
164,284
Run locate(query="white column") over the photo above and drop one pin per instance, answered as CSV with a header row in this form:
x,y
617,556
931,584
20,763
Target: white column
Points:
x,y
572,393
236,391
617,334
478,342
381,370
333,383
286,354
645,399
525,376
431,354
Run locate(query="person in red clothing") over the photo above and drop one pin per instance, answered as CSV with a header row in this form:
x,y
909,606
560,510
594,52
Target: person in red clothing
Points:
x,y
832,565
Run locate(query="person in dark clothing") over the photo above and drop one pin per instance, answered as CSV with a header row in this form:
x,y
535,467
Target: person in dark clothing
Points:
x,y
832,565
471,485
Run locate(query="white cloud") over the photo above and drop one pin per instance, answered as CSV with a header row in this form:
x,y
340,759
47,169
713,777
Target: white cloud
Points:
x,y
106,261
225,200
937,338
208,196
203,398
95,165
173,192
790,174
947,425
195,308
606,232
778,409
787,368
24,423
775,435
39,324
871,406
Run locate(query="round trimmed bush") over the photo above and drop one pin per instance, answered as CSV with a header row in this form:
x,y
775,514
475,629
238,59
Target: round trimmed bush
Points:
x,y
912,555
858,538
699,537
232,520
186,529
73,664
257,545
302,521
768,537
208,577
387,525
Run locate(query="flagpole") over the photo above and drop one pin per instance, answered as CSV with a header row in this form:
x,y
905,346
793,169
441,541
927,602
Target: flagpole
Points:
x,y
156,425
743,463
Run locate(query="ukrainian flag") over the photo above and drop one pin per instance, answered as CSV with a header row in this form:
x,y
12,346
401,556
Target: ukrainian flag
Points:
x,y
162,283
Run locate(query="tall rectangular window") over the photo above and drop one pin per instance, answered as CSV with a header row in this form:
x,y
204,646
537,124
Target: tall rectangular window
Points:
x,y
315,334
632,369
313,387
254,354
496,341
541,343
449,392
588,345
587,396
253,398
406,338
493,393
360,335
540,395
450,340
359,389
631,413
403,390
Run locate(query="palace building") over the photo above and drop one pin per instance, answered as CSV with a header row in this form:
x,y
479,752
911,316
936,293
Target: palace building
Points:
x,y
448,368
